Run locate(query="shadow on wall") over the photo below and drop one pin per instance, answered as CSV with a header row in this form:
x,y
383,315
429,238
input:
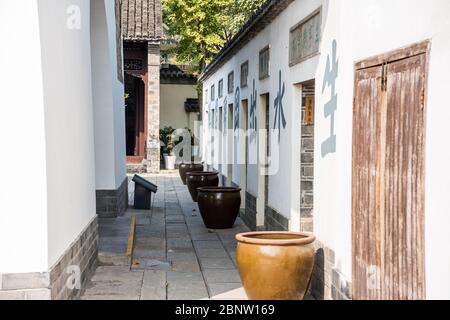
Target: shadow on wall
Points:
x,y
330,77
317,285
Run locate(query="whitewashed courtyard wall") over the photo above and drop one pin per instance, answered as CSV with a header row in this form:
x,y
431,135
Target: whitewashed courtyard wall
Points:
x,y
358,30
109,112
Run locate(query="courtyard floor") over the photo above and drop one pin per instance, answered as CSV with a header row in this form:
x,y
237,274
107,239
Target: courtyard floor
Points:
x,y
174,257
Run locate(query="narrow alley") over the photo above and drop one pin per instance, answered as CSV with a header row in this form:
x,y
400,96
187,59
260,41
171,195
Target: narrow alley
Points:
x,y
174,256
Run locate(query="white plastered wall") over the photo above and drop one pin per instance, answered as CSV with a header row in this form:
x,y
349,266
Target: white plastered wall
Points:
x,y
23,191
69,130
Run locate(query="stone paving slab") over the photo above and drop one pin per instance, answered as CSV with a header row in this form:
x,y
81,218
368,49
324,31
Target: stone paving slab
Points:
x,y
227,291
186,266
151,264
221,276
216,263
114,283
154,285
187,291
212,253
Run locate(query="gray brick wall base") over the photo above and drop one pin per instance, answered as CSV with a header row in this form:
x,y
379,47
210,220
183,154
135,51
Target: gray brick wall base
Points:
x,y
65,280
327,282
274,221
112,203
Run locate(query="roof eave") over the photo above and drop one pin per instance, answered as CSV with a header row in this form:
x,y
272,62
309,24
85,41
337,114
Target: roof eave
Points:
x,y
234,43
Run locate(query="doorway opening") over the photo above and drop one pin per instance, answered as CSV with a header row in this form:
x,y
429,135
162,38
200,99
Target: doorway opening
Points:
x,y
220,143
212,146
263,152
229,147
135,117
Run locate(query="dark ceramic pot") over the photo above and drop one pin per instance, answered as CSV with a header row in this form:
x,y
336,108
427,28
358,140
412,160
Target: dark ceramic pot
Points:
x,y
189,167
275,265
219,206
196,180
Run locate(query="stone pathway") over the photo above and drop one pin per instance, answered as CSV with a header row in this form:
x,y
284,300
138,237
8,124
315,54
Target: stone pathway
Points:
x,y
175,257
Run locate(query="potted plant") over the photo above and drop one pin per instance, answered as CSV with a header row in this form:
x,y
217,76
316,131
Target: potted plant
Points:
x,y
169,157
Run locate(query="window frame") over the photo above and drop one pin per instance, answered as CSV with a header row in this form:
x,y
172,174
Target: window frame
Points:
x,y
213,92
244,84
261,52
220,88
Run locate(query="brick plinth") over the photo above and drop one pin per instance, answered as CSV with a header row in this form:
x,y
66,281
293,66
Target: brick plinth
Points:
x,y
112,203
64,280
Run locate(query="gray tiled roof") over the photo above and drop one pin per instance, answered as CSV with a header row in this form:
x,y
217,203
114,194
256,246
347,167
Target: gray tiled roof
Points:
x,y
142,20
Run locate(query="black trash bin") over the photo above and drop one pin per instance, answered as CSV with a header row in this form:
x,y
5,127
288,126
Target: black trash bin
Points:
x,y
143,190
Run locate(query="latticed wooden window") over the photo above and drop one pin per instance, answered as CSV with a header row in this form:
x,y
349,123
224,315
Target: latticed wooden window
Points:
x,y
231,82
220,88
134,64
264,62
244,74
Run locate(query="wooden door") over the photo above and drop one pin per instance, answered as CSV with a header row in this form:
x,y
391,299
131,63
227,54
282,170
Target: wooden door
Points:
x,y
388,178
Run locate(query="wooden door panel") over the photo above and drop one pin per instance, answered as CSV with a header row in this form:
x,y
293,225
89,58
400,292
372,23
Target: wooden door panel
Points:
x,y
367,118
404,156
388,189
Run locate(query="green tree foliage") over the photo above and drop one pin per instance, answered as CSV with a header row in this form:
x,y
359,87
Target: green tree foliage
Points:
x,y
202,27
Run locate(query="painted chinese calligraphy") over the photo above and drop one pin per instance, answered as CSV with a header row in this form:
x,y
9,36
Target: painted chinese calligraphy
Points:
x,y
216,115
331,74
253,119
225,116
280,120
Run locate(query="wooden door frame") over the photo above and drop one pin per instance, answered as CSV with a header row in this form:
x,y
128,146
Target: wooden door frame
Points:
x,y
139,50
263,143
141,121
416,49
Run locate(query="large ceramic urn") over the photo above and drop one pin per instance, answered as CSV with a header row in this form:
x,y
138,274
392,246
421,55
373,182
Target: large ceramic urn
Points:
x,y
219,206
275,265
189,167
196,180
